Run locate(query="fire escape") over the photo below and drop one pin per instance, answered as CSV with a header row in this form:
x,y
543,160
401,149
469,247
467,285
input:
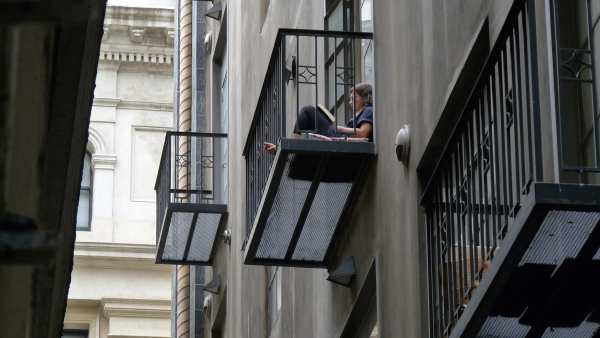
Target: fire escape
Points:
x,y
512,213
298,198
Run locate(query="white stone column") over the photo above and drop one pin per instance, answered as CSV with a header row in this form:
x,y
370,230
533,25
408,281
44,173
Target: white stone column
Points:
x,y
102,195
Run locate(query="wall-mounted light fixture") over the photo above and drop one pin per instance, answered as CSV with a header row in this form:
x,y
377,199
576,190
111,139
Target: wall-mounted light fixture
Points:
x,y
227,236
213,286
343,273
208,42
215,11
403,144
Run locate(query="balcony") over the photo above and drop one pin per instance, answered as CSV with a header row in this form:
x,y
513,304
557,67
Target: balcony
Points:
x,y
298,198
513,250
191,197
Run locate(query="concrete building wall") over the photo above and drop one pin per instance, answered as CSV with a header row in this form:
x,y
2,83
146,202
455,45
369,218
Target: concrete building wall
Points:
x,y
420,48
116,288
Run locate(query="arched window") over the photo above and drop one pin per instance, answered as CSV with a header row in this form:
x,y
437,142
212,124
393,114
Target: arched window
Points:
x,y
84,209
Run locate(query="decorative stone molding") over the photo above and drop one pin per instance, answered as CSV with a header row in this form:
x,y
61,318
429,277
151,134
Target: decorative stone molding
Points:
x,y
139,105
138,16
136,34
170,36
133,57
96,141
106,102
145,308
104,161
110,255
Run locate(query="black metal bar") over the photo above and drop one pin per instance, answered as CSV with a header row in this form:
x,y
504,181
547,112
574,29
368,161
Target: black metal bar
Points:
x,y
537,125
335,67
590,41
267,203
519,106
190,236
316,82
515,113
430,274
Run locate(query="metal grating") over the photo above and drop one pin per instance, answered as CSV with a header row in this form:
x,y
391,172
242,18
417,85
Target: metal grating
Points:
x,y
561,236
177,238
498,326
585,330
191,191
544,277
321,221
284,215
311,186
203,238
189,235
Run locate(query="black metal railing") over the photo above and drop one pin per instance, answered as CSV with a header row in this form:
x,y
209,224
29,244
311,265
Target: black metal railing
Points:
x,y
307,68
192,170
492,157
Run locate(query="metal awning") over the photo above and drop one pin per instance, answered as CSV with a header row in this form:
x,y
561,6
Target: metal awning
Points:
x,y
310,189
189,232
543,281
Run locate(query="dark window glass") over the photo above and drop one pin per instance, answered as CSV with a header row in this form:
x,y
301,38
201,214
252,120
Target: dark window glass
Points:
x,y
74,334
84,208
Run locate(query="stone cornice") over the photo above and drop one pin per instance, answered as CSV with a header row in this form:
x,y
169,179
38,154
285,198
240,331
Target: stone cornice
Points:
x,y
104,161
144,308
139,105
139,16
133,56
117,256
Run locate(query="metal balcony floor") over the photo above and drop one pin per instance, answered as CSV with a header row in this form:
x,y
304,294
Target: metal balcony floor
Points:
x,y
543,280
189,232
311,187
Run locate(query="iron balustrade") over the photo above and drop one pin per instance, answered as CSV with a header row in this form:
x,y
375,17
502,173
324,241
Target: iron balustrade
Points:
x,y
192,170
306,68
494,153
492,157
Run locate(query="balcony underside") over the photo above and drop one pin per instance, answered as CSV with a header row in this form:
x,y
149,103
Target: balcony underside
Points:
x,y
189,232
311,188
544,279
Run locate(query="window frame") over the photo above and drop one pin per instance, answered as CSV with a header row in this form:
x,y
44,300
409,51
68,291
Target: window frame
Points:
x,y
89,189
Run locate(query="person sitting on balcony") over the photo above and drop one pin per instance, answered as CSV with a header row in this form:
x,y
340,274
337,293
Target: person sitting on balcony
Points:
x,y
359,127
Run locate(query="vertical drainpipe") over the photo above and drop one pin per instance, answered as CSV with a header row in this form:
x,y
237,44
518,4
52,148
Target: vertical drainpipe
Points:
x,y
185,118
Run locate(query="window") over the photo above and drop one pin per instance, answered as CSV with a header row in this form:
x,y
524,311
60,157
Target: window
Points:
x,y
339,58
339,15
366,25
74,334
84,208
575,38
273,297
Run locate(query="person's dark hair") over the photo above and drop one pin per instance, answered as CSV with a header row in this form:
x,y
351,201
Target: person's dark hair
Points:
x,y
365,90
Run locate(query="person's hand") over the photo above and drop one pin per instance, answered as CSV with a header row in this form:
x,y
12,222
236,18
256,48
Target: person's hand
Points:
x,y
270,147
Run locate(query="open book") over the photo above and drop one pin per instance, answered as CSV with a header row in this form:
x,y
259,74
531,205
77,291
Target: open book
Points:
x,y
328,138
327,113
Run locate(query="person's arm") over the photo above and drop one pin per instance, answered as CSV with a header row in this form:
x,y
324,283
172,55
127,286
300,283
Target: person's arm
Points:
x,y
270,147
363,131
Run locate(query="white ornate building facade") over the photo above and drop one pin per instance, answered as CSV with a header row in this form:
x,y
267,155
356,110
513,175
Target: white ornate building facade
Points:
x,y
116,289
